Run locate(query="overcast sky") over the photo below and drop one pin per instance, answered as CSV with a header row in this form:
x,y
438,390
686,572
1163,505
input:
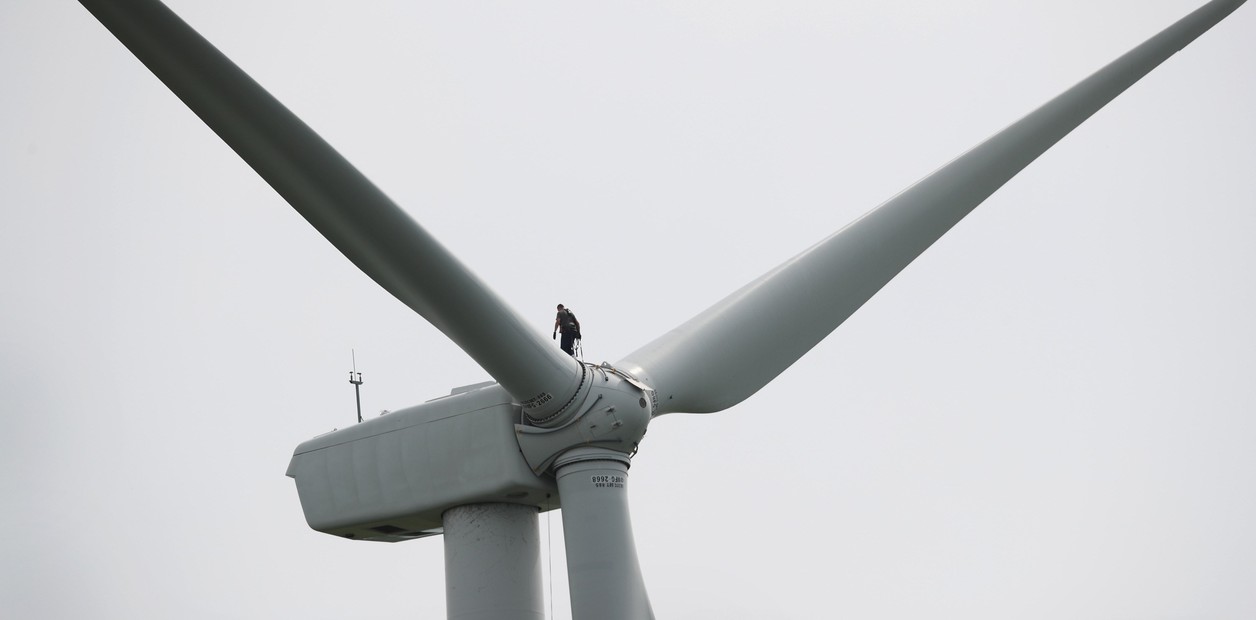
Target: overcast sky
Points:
x,y
1051,414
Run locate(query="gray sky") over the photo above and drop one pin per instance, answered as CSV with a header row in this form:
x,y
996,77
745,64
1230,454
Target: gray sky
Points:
x,y
1048,415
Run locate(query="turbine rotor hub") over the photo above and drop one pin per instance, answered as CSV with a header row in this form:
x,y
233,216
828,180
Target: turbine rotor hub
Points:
x,y
610,411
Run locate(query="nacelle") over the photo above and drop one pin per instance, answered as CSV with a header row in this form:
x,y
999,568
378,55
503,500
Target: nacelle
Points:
x,y
391,478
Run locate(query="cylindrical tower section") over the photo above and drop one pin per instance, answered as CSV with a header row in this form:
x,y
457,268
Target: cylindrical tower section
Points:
x,y
493,563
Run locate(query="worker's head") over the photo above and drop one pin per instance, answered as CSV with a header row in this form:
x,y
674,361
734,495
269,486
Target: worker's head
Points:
x,y
560,306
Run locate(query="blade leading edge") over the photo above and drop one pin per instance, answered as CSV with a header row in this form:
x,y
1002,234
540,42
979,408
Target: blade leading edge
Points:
x,y
731,350
343,205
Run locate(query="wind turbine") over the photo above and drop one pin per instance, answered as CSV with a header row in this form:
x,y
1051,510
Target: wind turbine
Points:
x,y
576,423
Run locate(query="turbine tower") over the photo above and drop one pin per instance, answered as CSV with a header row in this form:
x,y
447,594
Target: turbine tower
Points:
x,y
479,464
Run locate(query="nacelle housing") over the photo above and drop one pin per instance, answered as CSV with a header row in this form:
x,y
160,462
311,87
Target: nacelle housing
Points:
x,y
391,478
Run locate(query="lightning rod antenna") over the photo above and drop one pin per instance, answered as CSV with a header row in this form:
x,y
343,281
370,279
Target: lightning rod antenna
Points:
x,y
355,378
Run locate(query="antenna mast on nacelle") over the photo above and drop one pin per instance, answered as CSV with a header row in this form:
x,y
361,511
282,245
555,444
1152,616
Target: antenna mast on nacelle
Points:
x,y
355,378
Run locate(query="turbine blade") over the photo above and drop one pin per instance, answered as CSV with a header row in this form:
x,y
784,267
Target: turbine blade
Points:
x,y
604,575
345,207
734,348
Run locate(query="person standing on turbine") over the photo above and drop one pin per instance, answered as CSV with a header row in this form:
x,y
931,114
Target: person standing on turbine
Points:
x,y
567,323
